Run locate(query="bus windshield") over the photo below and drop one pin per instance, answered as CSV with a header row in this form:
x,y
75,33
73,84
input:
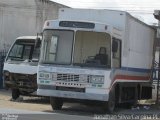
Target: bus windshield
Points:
x,y
57,46
92,49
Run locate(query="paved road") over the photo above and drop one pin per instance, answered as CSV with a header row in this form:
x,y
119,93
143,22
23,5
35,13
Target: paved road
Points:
x,y
18,114
80,112
71,111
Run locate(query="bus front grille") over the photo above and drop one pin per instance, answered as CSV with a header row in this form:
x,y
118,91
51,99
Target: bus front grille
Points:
x,y
68,77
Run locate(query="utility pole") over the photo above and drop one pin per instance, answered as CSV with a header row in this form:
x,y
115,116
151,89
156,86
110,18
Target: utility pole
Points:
x,y
157,16
157,99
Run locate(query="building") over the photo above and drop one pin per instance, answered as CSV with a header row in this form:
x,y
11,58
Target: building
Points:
x,y
24,17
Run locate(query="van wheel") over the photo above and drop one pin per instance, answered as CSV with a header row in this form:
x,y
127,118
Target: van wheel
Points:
x,y
56,103
15,94
109,106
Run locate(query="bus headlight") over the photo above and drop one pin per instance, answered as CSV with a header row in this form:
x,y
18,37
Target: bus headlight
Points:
x,y
97,79
44,75
54,76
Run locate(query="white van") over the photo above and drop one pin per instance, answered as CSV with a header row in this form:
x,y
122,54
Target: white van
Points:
x,y
20,66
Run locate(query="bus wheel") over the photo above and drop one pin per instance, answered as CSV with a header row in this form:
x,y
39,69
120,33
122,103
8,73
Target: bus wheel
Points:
x,y
109,106
15,94
56,103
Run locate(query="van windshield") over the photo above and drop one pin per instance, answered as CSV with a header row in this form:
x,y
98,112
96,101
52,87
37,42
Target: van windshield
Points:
x,y
23,50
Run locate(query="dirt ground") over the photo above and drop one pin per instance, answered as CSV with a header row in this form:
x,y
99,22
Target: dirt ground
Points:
x,y
42,104
26,103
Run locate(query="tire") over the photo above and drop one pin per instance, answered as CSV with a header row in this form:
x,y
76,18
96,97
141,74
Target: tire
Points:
x,y
15,94
56,103
109,106
129,105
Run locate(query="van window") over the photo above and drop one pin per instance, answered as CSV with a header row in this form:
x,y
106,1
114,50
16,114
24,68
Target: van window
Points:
x,y
16,51
26,53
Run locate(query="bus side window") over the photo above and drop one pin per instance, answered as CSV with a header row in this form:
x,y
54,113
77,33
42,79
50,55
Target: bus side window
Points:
x,y
116,53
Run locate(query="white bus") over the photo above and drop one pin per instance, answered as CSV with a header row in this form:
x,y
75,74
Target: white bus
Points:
x,y
95,55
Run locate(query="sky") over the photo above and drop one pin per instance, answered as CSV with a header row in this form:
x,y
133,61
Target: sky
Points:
x,y
142,9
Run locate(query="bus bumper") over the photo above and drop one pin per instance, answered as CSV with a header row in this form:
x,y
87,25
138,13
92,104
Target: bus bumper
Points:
x,y
72,95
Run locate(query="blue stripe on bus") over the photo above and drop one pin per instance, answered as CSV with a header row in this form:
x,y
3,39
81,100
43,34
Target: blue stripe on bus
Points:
x,y
136,69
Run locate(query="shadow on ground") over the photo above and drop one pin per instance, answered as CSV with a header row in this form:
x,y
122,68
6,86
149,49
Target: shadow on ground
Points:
x,y
35,100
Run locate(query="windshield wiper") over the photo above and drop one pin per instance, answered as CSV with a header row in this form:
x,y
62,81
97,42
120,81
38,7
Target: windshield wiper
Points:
x,y
18,59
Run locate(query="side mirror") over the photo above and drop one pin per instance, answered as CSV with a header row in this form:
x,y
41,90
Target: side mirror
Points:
x,y
37,42
114,46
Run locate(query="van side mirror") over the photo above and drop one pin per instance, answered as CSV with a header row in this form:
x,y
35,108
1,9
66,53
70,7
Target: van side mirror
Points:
x,y
114,46
37,42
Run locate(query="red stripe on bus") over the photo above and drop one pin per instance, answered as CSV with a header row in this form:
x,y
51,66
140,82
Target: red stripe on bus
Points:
x,y
127,77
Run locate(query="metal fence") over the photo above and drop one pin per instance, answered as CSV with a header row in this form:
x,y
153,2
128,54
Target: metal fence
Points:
x,y
2,58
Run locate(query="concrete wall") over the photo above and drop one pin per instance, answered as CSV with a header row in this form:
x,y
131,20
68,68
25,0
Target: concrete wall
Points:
x,y
24,17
